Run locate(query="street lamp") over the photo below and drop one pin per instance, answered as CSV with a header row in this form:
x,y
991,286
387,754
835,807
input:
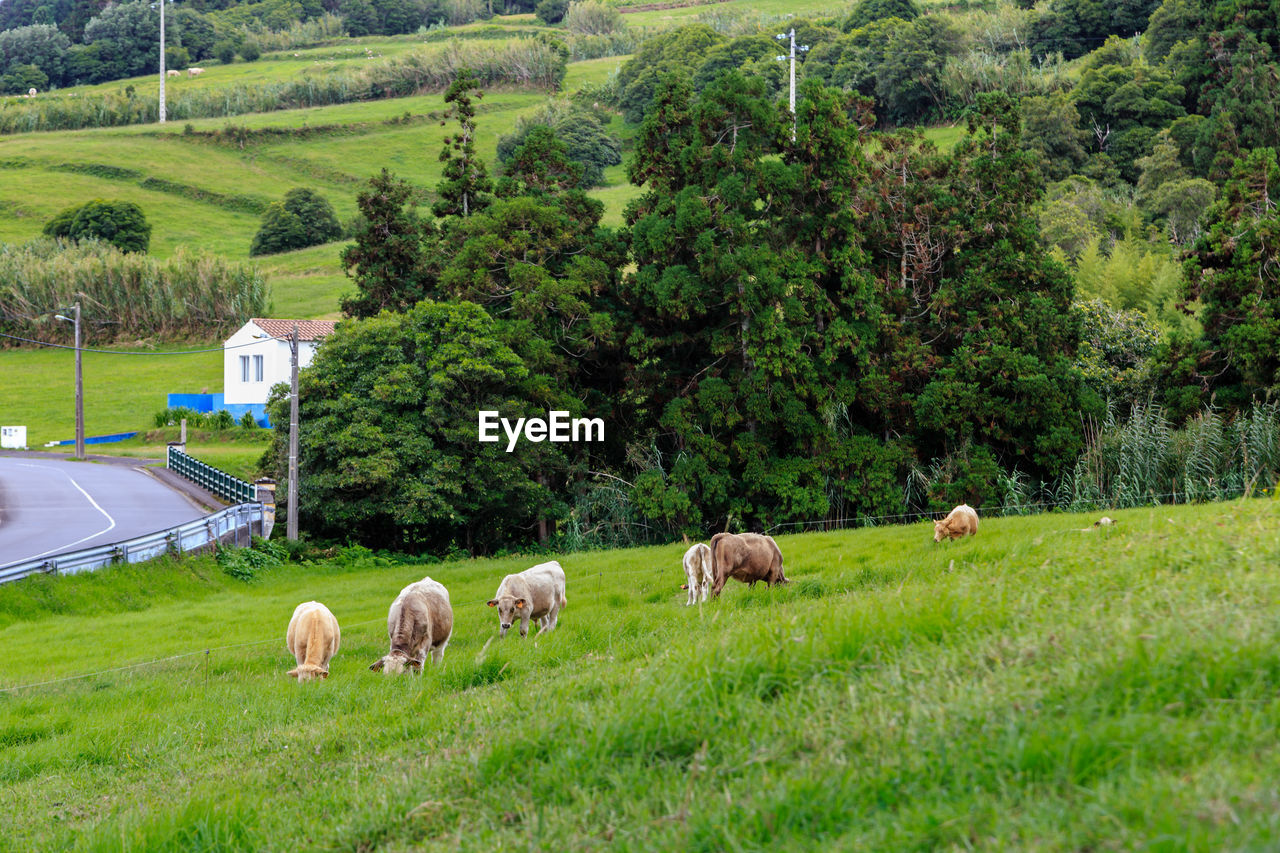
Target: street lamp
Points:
x,y
75,310
802,48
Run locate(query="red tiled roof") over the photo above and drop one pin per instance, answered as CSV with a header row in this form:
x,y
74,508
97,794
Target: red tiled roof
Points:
x,y
308,330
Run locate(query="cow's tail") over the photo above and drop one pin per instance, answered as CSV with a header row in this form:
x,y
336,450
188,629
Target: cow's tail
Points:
x,y
715,567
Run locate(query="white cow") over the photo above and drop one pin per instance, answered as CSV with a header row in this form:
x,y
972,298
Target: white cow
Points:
x,y
420,620
31,93
194,72
697,572
172,73
312,639
536,593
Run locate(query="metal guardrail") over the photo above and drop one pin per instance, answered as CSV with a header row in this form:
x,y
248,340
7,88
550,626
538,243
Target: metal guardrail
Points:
x,y
210,479
234,525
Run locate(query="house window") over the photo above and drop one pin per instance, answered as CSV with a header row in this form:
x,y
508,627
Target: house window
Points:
x,y
244,368
257,368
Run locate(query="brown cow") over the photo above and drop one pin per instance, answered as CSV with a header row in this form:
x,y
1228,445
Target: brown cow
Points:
x,y
961,521
747,557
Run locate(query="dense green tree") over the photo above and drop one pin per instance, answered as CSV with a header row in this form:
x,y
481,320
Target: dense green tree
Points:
x,y
388,444
127,36
1233,269
869,11
551,11
358,17
41,46
1074,27
909,79
304,218
538,166
465,188
391,270
1051,130
672,52
1116,347
21,78
1124,107
120,223
585,139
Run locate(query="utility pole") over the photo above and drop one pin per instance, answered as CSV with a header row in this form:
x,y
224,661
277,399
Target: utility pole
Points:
x,y
802,48
162,71
291,523
75,318
79,390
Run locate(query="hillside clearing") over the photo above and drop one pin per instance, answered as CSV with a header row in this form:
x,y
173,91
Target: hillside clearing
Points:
x,y
1033,687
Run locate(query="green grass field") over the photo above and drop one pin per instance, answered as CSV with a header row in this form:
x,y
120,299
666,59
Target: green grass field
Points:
x,y
1036,687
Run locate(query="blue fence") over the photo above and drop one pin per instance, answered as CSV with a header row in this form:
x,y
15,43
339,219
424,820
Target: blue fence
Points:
x,y
94,439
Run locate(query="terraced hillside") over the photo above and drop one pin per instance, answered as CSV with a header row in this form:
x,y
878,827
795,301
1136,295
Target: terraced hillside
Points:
x,y
1042,686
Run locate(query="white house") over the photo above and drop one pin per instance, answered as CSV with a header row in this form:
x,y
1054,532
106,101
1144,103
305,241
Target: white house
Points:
x,y
257,357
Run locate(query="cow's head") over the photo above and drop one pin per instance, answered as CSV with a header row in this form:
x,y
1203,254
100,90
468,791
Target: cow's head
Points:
x,y
510,609
396,663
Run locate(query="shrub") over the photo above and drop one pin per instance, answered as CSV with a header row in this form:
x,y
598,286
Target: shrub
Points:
x,y
120,223
551,11
304,218
593,18
248,422
250,51
220,420
225,51
584,137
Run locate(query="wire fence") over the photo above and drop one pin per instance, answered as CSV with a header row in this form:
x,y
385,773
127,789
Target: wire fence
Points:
x,y
580,580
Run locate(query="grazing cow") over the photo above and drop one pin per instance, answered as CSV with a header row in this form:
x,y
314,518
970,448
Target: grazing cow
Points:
x,y
961,521
172,73
420,620
31,93
1104,522
697,571
536,593
312,639
746,557
194,72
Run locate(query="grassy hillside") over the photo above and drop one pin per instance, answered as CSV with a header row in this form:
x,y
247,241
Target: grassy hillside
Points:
x,y
1035,687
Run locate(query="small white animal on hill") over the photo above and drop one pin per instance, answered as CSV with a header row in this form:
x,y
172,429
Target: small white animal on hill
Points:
x,y
536,593
697,572
420,620
312,639
31,93
194,72
961,521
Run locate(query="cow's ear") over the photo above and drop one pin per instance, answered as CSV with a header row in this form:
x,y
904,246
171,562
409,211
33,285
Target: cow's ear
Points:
x,y
293,673
377,665
493,602
415,665
324,673
520,604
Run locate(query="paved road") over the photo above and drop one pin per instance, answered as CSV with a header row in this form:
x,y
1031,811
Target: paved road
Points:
x,y
50,506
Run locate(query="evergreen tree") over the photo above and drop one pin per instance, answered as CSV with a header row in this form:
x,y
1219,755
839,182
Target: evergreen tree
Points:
x,y
465,188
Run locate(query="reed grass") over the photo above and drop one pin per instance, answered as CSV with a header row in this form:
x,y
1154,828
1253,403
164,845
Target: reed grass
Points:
x,y
123,296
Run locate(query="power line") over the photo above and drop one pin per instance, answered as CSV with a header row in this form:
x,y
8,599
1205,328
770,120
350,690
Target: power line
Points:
x,y
129,352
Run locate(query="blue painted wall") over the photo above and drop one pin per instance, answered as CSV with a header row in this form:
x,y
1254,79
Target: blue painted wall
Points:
x,y
207,403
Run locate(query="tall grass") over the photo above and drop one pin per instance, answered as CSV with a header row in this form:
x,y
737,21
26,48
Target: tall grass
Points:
x,y
522,62
316,31
1146,460
123,296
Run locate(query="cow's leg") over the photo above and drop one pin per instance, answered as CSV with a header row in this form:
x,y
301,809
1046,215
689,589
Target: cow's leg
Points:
x,y
437,654
718,585
524,624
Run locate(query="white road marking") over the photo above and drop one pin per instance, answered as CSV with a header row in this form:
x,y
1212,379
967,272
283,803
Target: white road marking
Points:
x,y
111,521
